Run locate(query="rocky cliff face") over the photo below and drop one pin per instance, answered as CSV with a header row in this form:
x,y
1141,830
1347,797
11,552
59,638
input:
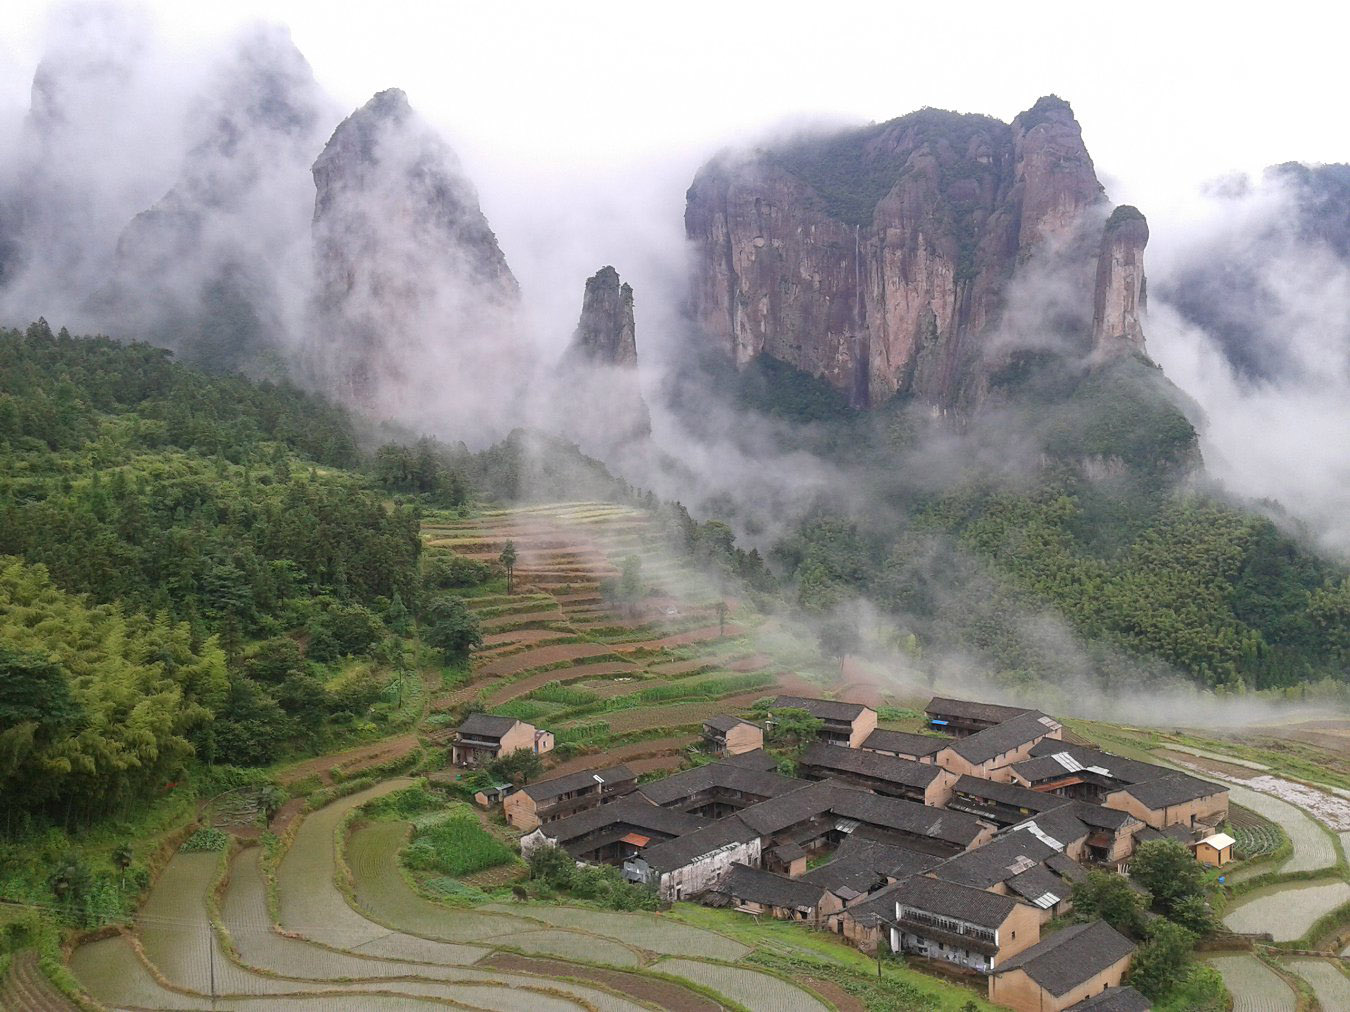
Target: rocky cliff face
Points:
x,y
415,302
880,259
602,399
209,269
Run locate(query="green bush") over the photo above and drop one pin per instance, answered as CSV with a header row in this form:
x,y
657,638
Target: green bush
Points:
x,y
206,839
456,847
600,884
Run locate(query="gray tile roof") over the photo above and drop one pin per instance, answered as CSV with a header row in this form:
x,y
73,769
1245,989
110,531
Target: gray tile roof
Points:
x,y
1100,817
723,775
904,743
790,808
860,864
755,759
725,722
631,810
997,861
971,710
825,709
547,790
1008,794
486,725
1040,887
892,770
903,816
1117,767
1058,824
1176,789
1066,868
994,741
948,899
1071,956
1113,999
745,883
685,850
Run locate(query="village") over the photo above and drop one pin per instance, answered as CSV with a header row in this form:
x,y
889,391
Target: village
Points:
x,y
960,844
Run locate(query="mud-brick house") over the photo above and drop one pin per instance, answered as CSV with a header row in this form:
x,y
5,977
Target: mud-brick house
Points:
x,y
962,717
1001,803
1216,850
987,753
728,735
1174,800
881,774
612,833
483,737
959,924
1074,964
847,724
762,892
550,800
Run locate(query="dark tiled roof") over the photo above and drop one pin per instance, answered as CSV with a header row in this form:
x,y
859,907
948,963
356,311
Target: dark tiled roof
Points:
x,y
994,741
485,724
878,907
755,759
1045,767
1008,794
1176,789
725,722
903,816
1066,868
1113,999
859,864
948,899
1100,817
631,810
799,805
997,861
1058,824
745,883
1116,767
903,772
1071,956
1040,887
686,849
996,712
727,776
1178,832
547,790
825,709
904,742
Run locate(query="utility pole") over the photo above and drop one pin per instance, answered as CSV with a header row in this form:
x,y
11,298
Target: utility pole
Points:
x,y
211,961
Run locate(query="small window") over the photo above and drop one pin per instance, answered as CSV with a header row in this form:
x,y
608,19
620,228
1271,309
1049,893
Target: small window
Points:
x,y
1014,934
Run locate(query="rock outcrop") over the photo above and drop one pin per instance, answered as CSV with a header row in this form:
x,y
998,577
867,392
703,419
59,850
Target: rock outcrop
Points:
x,y
1120,292
213,269
601,398
880,259
605,333
415,304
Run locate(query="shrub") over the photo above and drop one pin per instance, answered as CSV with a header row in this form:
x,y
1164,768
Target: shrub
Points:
x,y
207,839
456,847
600,884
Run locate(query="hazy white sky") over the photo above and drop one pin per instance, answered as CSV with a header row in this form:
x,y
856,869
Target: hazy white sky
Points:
x,y
1163,90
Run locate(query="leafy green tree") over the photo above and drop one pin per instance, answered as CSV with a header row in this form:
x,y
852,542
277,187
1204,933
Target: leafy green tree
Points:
x,y
1110,897
793,727
1163,962
508,561
518,767
450,626
1172,875
838,638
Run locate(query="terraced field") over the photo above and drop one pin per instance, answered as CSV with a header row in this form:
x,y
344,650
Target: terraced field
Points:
x,y
1254,986
26,987
559,628
1331,986
749,987
1286,911
1312,846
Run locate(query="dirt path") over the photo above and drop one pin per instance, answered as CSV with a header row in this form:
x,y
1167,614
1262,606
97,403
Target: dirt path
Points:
x,y
662,994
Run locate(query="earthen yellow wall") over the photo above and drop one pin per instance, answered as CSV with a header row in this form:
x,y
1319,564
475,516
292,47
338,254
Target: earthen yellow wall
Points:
x,y
744,738
1018,991
864,725
520,811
